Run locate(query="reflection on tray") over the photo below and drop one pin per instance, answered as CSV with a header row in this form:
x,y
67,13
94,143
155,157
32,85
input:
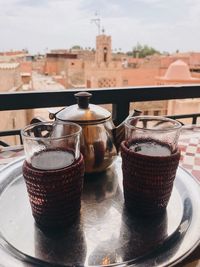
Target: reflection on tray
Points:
x,y
137,238
61,247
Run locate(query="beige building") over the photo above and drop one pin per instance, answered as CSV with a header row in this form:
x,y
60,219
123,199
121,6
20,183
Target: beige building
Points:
x,y
100,68
103,72
178,72
10,80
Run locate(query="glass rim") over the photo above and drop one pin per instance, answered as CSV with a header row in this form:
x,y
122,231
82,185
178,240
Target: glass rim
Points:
x,y
177,124
25,135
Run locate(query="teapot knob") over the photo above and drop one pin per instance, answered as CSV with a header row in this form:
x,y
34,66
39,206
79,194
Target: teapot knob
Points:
x,y
83,99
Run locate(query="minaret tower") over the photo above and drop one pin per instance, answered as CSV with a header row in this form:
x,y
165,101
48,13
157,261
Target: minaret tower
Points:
x,y
103,48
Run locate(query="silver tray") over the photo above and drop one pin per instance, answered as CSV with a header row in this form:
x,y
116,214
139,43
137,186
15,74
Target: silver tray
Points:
x,y
106,233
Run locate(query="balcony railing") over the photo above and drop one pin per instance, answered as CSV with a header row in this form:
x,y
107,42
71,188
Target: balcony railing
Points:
x,y
120,98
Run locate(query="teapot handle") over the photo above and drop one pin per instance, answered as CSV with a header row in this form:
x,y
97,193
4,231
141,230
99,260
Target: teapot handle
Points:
x,y
119,131
53,112
52,115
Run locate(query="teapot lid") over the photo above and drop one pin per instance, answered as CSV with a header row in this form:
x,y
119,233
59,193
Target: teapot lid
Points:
x,y
83,112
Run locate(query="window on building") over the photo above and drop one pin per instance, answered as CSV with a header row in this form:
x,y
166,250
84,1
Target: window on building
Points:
x,y
156,112
105,53
125,82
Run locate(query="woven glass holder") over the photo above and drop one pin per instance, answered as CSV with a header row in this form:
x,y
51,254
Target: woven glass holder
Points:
x,y
147,181
55,197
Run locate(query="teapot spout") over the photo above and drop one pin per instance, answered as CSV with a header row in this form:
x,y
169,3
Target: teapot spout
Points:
x,y
119,131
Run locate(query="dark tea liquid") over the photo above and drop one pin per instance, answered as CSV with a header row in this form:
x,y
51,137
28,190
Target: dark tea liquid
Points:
x,y
52,159
150,147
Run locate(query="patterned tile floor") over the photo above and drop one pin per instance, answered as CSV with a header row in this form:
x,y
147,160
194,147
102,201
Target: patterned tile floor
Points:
x,y
189,143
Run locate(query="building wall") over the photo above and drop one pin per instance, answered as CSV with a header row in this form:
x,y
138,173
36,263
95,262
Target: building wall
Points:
x,y
51,66
55,63
139,77
10,78
103,77
157,108
9,120
183,106
74,73
39,66
180,106
165,61
26,79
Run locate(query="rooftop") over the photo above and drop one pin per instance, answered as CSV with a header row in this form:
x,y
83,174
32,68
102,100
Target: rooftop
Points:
x,y
8,65
178,71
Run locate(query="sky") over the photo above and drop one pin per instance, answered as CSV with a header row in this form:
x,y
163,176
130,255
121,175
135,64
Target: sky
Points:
x,y
42,25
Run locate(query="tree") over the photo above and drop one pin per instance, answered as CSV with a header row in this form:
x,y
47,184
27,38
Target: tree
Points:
x,y
142,51
76,47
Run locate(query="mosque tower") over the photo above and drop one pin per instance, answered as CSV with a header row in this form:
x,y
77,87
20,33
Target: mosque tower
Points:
x,y
103,49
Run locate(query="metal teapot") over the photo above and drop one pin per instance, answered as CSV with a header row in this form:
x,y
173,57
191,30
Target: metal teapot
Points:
x,y
100,138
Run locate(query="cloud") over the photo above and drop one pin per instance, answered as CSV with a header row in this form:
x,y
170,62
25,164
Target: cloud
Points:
x,y
31,3
37,24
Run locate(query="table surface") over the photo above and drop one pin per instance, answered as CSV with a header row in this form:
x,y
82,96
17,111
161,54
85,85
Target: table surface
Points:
x,y
189,143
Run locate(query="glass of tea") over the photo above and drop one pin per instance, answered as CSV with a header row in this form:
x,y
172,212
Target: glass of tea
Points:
x,y
150,157
53,171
